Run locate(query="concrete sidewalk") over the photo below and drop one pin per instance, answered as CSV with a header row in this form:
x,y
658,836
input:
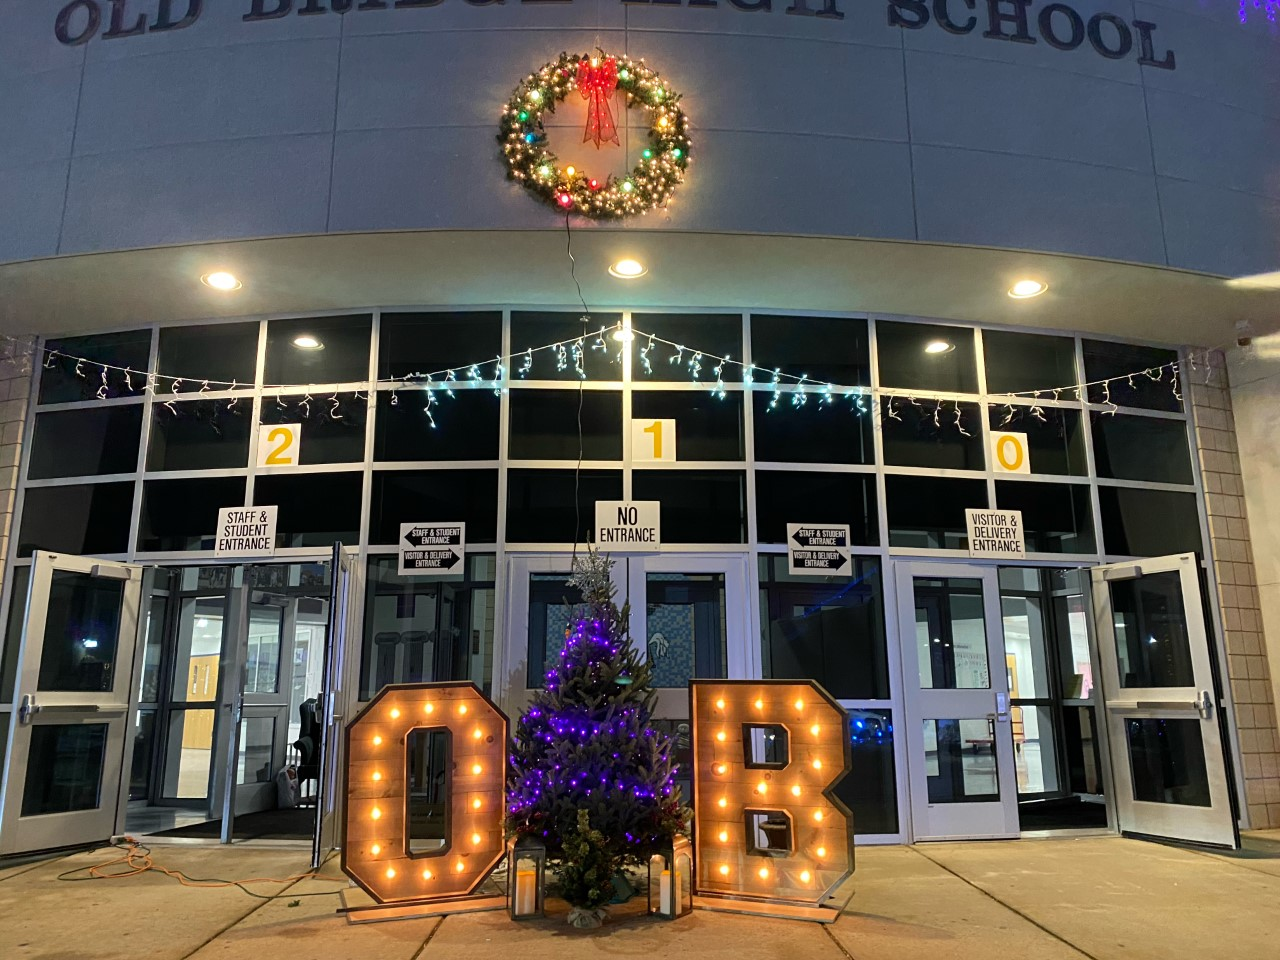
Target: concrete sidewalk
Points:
x,y
1031,900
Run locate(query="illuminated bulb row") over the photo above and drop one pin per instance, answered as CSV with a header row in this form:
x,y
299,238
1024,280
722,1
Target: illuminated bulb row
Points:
x,y
763,873
430,708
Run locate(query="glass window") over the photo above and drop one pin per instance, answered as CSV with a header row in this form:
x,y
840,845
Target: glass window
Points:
x,y
17,614
812,433
926,356
330,434
1148,523
946,435
1153,648
541,507
262,665
872,793
64,768
535,330
316,509
553,604
1018,362
80,443
183,514
712,333
257,738
1056,517
1132,386
199,435
427,629
544,424
83,518
63,379
188,755
960,761
707,427
81,634
428,342
833,349
466,427
143,749
1167,761
929,511
223,353
1127,447
951,633
698,506
685,627
827,628
784,497
153,641
318,350
441,496
1055,438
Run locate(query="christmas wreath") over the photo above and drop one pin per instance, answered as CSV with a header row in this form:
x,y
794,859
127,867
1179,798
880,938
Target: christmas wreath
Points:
x,y
662,162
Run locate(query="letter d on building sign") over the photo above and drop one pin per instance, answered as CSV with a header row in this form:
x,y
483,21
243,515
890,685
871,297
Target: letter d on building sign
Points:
x,y
767,757
444,741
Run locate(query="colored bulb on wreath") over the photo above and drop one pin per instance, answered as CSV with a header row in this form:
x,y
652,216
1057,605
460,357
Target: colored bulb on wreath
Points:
x,y
524,115
530,137
570,171
593,183
647,154
627,186
565,200
677,153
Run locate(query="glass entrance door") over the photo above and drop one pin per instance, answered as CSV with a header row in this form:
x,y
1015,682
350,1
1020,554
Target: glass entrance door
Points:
x,y
961,774
1162,709
62,782
333,706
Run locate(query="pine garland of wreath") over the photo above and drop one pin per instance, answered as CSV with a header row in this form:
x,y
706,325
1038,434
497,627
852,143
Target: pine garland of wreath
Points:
x,y
650,184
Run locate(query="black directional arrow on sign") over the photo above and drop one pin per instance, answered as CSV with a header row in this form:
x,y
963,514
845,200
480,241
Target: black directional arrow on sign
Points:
x,y
819,559
819,537
433,536
435,560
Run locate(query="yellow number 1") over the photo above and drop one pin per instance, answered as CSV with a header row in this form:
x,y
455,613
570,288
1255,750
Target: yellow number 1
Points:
x,y
656,429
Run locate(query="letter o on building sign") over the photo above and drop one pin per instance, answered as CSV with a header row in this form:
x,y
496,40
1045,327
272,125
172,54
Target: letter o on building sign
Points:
x,y
376,850
767,755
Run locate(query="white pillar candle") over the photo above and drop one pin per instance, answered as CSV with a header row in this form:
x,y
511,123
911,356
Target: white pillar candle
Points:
x,y
526,892
665,889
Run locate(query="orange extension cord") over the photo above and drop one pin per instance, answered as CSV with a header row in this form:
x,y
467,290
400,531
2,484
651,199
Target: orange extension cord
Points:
x,y
137,859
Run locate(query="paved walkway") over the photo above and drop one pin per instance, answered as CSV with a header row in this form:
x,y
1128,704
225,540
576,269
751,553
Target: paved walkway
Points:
x,y
1029,900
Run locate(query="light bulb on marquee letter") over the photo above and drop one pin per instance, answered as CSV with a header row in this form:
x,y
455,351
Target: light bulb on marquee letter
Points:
x,y
375,852
767,755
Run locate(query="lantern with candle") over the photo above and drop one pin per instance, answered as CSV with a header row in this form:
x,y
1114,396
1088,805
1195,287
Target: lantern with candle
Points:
x,y
671,879
526,878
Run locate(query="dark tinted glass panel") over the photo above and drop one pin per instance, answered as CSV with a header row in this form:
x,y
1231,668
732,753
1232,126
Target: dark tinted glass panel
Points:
x,y
81,633
1127,447
144,744
686,634
315,509
1017,362
553,603
824,348
813,433
13,630
698,506
330,434
1153,647
784,497
1056,517
343,355
64,379
544,424
445,496
183,514
830,629
870,791
84,518
222,353
1148,523
200,435
1055,438
541,509
531,331
929,511
64,768
925,356
717,334
707,428
429,342
928,434
466,427
1167,761
1128,363
76,443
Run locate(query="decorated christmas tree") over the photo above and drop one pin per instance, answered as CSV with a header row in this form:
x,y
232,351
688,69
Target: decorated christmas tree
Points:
x,y
590,777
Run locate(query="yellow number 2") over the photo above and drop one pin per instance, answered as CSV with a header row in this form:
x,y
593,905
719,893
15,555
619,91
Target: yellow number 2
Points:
x,y
278,457
655,428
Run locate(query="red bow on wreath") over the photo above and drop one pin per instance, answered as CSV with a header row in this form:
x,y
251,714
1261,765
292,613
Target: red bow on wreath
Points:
x,y
597,79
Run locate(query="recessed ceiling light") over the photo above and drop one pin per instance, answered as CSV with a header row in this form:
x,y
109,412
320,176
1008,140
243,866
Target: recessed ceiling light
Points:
x,y
221,280
307,342
1025,289
939,346
627,269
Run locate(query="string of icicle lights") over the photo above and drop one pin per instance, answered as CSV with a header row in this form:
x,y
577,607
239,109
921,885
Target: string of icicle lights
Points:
x,y
712,370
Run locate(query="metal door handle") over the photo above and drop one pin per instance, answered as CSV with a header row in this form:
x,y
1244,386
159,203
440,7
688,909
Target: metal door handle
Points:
x,y
1205,705
27,709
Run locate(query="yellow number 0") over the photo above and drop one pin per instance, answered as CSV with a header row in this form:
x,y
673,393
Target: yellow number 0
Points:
x,y
656,429
277,458
1002,454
